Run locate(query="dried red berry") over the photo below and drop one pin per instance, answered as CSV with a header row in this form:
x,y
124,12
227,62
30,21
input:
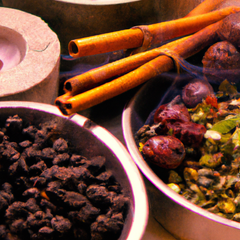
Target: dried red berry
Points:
x,y
164,151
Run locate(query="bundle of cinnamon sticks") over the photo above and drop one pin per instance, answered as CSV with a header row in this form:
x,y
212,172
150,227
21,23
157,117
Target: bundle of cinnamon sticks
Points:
x,y
91,88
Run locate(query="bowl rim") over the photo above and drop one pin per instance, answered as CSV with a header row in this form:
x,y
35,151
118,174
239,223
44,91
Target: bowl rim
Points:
x,y
152,177
96,2
140,199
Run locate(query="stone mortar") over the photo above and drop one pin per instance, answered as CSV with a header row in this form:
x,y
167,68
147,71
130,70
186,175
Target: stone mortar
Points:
x,y
35,77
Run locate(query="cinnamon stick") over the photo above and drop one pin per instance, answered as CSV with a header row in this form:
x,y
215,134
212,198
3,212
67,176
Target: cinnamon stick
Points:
x,y
145,36
63,98
99,75
158,65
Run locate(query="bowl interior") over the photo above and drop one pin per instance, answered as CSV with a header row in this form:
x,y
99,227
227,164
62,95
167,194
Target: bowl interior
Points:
x,y
13,48
178,215
85,142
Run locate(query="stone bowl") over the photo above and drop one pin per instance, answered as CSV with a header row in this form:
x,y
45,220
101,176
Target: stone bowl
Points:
x,y
97,141
183,219
29,58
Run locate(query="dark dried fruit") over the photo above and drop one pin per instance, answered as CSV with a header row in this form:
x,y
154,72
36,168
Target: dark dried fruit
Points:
x,y
99,195
60,145
189,133
74,200
61,159
195,91
46,233
106,227
61,224
173,111
229,29
3,231
221,55
87,214
164,151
